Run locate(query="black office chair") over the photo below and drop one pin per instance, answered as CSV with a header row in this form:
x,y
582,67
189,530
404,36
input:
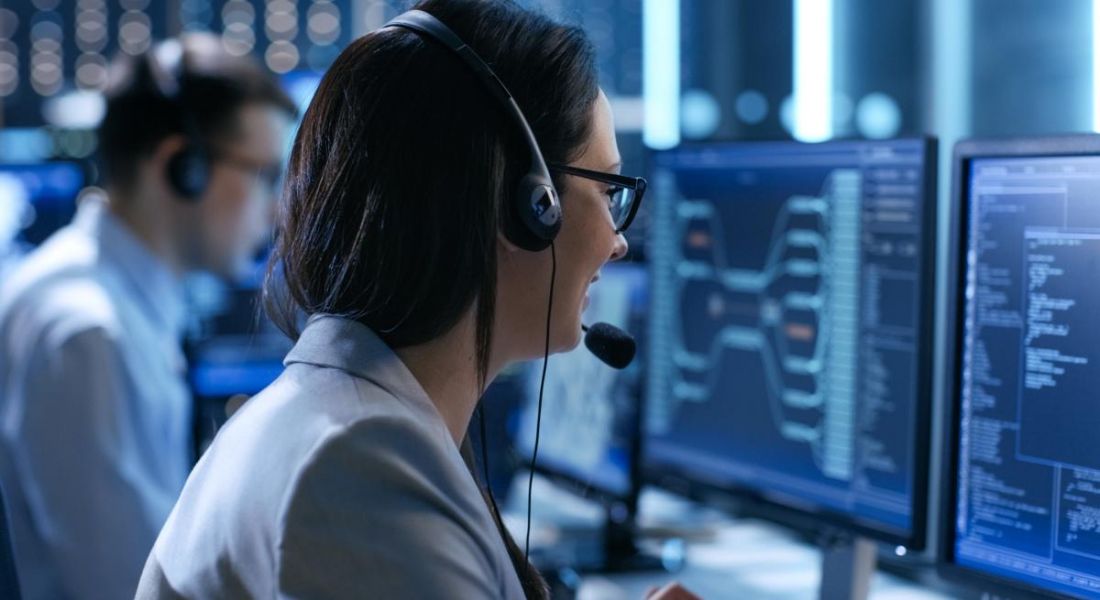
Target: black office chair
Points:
x,y
9,581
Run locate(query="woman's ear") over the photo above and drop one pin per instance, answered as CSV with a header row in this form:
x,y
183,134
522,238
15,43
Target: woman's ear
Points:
x,y
505,245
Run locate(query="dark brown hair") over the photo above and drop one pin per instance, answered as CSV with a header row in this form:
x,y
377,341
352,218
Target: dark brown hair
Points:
x,y
400,172
213,86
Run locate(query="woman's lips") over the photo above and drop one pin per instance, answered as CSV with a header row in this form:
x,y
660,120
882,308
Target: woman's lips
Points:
x,y
594,279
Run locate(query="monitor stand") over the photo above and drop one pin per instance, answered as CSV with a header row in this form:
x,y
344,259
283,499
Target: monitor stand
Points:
x,y
589,536
847,565
620,550
607,547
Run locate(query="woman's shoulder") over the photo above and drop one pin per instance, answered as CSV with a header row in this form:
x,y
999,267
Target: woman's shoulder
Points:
x,y
334,435
298,467
308,408
390,493
384,454
321,432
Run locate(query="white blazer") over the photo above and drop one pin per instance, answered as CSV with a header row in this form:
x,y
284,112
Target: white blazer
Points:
x,y
340,480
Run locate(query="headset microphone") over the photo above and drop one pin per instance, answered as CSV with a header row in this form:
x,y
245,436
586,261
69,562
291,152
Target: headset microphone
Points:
x,y
610,344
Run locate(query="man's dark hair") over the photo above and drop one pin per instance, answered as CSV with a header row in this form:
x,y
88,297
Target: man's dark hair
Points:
x,y
211,84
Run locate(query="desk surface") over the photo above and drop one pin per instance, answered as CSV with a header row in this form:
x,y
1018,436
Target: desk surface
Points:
x,y
728,558
747,559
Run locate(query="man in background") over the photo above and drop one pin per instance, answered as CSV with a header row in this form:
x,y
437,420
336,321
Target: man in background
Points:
x,y
95,414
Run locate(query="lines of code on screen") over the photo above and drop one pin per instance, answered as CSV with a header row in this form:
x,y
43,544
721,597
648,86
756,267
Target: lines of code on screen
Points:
x,y
1029,461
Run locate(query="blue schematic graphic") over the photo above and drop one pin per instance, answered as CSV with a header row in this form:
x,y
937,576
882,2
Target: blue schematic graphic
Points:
x,y
786,321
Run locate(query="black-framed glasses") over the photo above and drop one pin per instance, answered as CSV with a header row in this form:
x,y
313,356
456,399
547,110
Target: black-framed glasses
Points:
x,y
624,196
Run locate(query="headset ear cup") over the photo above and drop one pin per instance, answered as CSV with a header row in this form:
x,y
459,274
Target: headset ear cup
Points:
x,y
536,216
516,230
189,172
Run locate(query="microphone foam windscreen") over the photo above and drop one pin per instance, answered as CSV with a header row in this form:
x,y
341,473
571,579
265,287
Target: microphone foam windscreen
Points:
x,y
610,344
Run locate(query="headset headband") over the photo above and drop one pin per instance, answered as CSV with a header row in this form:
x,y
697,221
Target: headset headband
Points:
x,y
536,200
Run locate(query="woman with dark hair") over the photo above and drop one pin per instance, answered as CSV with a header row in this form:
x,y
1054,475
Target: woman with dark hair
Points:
x,y
405,245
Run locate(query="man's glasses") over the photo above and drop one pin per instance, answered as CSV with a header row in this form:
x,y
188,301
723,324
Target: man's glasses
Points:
x,y
624,195
268,174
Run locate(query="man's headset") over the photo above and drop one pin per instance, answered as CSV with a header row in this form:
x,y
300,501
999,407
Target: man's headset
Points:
x,y
188,170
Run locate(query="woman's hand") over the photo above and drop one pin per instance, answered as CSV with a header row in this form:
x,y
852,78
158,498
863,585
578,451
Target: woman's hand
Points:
x,y
672,591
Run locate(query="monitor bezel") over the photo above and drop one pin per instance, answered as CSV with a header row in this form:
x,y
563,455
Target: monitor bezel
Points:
x,y
82,166
965,152
589,490
808,517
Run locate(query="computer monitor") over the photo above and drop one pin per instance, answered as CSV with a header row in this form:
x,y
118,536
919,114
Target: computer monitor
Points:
x,y
591,413
232,347
790,330
300,86
237,350
1022,499
37,199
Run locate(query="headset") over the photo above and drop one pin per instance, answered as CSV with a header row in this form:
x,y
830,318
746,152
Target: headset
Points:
x,y
532,221
533,215
188,170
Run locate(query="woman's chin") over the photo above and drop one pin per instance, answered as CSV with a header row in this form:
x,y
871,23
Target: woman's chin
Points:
x,y
567,340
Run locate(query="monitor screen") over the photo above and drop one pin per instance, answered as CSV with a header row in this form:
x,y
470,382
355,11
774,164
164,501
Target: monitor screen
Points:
x,y
238,349
1026,499
300,86
36,200
590,412
790,327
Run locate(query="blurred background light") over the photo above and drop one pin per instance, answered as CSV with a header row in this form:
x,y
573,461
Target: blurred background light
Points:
x,y
700,114
661,72
78,109
751,107
1096,65
813,70
878,116
786,114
